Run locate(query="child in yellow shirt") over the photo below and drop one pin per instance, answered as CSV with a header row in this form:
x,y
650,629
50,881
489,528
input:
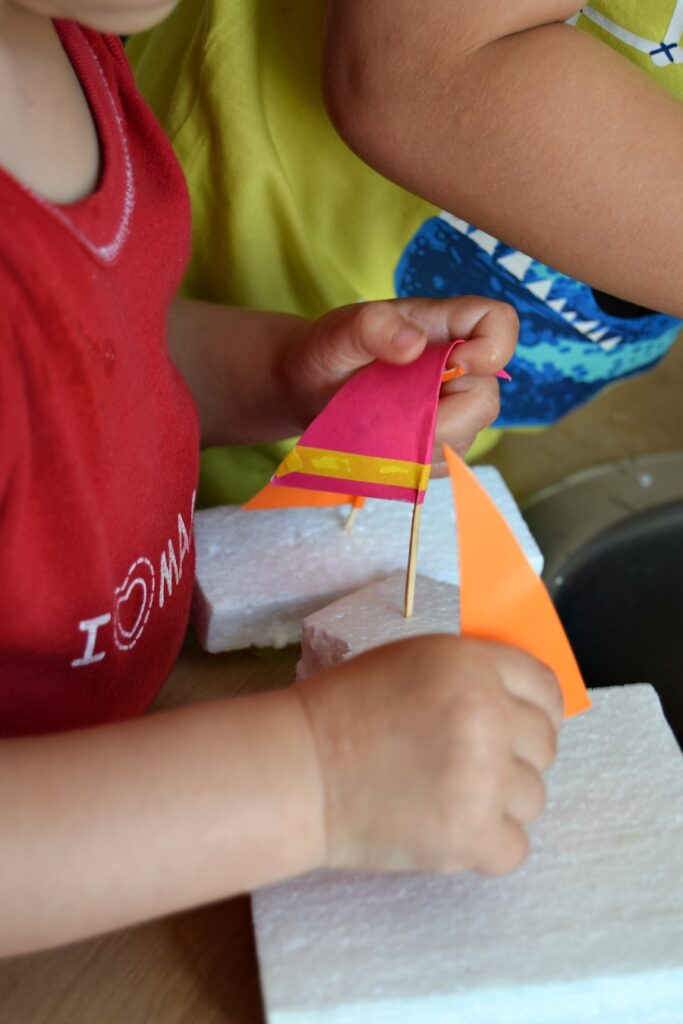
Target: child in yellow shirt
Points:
x,y
496,120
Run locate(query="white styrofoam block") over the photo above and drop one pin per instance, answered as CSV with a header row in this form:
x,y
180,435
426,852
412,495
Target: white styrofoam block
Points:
x,y
373,616
260,573
590,929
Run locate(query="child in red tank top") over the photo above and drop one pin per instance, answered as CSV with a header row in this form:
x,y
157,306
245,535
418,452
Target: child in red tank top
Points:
x,y
107,385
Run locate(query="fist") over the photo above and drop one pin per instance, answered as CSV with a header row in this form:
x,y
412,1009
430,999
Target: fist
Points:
x,y
431,754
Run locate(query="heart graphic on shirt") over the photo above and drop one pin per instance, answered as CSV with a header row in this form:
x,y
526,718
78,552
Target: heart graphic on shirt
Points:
x,y
128,602
133,604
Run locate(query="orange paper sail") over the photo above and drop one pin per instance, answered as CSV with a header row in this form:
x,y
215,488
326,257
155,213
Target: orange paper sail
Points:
x,y
501,597
293,497
374,438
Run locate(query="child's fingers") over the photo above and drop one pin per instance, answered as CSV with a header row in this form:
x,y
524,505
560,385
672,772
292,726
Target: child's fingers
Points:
x,y
535,736
397,331
525,677
530,680
347,339
505,850
490,328
467,406
490,345
328,351
525,799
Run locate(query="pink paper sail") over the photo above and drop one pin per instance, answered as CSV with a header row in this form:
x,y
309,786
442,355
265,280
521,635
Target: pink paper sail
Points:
x,y
374,439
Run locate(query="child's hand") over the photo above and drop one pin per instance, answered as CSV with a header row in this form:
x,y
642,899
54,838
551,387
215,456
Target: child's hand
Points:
x,y
326,352
431,753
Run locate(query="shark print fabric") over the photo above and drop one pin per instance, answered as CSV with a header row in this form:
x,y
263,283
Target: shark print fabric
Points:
x,y
573,341
571,344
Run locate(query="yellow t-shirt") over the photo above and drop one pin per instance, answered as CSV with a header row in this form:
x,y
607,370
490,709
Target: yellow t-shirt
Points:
x,y
648,32
286,218
235,83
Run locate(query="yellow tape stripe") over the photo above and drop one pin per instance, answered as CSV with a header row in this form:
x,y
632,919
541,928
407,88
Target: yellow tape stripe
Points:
x,y
364,468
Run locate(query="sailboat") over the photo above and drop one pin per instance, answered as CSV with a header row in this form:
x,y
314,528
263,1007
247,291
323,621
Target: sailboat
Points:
x,y
374,439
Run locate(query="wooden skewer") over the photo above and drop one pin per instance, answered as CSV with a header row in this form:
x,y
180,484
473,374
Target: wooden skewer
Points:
x,y
412,562
356,506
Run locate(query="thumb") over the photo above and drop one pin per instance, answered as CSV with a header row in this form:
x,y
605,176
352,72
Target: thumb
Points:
x,y
349,338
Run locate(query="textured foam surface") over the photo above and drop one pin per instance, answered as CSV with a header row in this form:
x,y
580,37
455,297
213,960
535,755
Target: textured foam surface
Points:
x,y
590,929
259,574
373,616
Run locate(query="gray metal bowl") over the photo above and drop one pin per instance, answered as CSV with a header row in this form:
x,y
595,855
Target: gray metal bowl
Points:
x,y
612,538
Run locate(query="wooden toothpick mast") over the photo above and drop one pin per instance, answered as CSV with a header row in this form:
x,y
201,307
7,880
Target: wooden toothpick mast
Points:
x,y
356,505
411,571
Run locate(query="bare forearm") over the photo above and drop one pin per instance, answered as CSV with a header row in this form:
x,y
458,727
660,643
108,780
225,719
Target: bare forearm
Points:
x,y
230,359
106,827
544,137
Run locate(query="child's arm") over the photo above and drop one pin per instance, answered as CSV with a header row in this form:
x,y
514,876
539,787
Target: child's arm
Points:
x,y
427,754
528,128
106,827
260,377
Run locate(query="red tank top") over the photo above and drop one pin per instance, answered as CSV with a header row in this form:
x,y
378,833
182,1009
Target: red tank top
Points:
x,y
98,433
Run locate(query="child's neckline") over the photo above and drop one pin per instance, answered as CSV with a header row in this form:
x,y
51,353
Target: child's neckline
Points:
x,y
101,220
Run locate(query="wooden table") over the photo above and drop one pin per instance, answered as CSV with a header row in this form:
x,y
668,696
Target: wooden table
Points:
x,y
193,968
200,967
